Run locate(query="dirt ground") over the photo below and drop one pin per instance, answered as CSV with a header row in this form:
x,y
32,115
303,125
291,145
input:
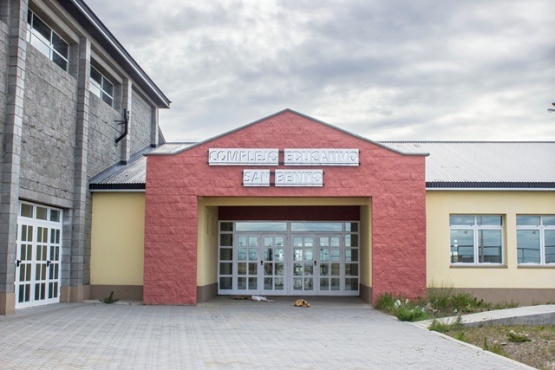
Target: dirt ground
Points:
x,y
538,352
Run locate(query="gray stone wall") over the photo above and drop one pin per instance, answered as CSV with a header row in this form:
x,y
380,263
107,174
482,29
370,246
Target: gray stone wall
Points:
x,y
48,137
3,82
141,123
103,131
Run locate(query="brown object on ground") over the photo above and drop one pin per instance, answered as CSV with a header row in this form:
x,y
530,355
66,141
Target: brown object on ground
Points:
x,y
301,303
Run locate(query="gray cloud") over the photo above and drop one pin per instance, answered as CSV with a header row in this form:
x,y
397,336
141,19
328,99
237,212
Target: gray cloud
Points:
x,y
386,70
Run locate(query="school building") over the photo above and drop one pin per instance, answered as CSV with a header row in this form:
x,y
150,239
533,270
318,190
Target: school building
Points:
x,y
93,200
289,205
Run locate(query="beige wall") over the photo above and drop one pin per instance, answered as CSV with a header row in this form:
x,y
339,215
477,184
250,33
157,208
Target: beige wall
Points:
x,y
117,251
207,247
366,245
440,204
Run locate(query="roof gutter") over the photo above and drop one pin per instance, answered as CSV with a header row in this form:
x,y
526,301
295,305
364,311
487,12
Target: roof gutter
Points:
x,y
109,40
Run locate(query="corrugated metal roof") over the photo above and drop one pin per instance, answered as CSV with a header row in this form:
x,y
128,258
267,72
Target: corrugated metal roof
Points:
x,y
130,175
484,162
454,164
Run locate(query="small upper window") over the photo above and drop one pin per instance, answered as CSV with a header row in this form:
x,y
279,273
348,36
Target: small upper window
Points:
x,y
101,87
535,239
47,41
476,239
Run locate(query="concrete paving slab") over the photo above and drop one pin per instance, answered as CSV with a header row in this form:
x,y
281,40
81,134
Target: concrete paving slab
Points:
x,y
530,315
229,334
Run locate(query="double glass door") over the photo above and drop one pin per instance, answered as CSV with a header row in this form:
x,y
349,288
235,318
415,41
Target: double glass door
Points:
x,y
315,261
38,255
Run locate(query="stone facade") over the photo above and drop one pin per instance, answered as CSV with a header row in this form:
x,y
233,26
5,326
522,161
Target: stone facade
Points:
x,y
394,182
56,134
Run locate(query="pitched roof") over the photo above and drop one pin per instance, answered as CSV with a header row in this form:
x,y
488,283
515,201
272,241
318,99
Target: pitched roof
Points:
x,y
282,112
485,164
88,20
131,175
450,165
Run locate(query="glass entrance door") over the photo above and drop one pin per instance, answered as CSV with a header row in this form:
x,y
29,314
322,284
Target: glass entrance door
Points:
x,y
247,263
329,263
273,260
303,264
288,258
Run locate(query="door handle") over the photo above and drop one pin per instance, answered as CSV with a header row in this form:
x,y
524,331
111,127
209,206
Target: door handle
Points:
x,y
261,262
314,263
47,263
17,262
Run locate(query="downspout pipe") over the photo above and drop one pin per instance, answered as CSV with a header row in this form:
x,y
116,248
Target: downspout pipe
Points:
x,y
126,127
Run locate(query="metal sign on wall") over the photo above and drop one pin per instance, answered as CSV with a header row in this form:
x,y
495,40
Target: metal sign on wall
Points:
x,y
292,157
299,178
321,157
240,157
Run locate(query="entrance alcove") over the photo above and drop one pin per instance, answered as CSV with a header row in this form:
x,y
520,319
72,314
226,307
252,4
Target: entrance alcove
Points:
x,y
318,247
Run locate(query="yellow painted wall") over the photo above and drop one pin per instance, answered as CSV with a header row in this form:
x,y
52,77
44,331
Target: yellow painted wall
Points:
x,y
117,240
365,246
440,204
207,246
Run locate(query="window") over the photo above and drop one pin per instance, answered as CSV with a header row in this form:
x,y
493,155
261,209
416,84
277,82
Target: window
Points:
x,y
535,239
476,240
47,41
101,87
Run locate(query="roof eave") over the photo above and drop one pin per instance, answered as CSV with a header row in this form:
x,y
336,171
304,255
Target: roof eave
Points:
x,y
86,17
490,185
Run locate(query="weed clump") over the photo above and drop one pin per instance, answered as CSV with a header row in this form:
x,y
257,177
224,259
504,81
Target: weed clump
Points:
x,y
110,299
403,309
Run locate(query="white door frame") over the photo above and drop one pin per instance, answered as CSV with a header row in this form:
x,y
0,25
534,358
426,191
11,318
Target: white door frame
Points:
x,y
38,255
248,271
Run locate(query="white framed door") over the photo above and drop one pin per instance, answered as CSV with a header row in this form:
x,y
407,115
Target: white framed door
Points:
x,y
38,255
330,273
319,262
304,264
274,264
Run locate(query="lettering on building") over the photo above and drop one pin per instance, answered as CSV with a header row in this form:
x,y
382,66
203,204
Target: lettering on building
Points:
x,y
321,157
299,178
256,177
240,157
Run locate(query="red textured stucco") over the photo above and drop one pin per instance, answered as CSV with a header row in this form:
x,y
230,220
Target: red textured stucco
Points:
x,y
395,182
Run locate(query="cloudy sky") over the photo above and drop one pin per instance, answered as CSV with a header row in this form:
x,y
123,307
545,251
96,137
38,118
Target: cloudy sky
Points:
x,y
386,70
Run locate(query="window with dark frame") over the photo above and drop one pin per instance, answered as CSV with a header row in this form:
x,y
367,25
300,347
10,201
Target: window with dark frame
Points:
x,y
48,42
101,87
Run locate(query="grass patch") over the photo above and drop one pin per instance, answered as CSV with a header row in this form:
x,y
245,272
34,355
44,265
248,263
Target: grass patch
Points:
x,y
439,302
444,327
515,337
403,309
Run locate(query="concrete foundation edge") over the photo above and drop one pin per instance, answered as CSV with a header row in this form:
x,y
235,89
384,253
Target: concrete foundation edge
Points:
x,y
74,294
206,292
522,296
7,303
121,292
366,293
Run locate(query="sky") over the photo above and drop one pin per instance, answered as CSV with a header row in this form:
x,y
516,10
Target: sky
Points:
x,y
385,70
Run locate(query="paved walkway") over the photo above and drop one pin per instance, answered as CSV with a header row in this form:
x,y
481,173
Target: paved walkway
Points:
x,y
530,315
229,334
